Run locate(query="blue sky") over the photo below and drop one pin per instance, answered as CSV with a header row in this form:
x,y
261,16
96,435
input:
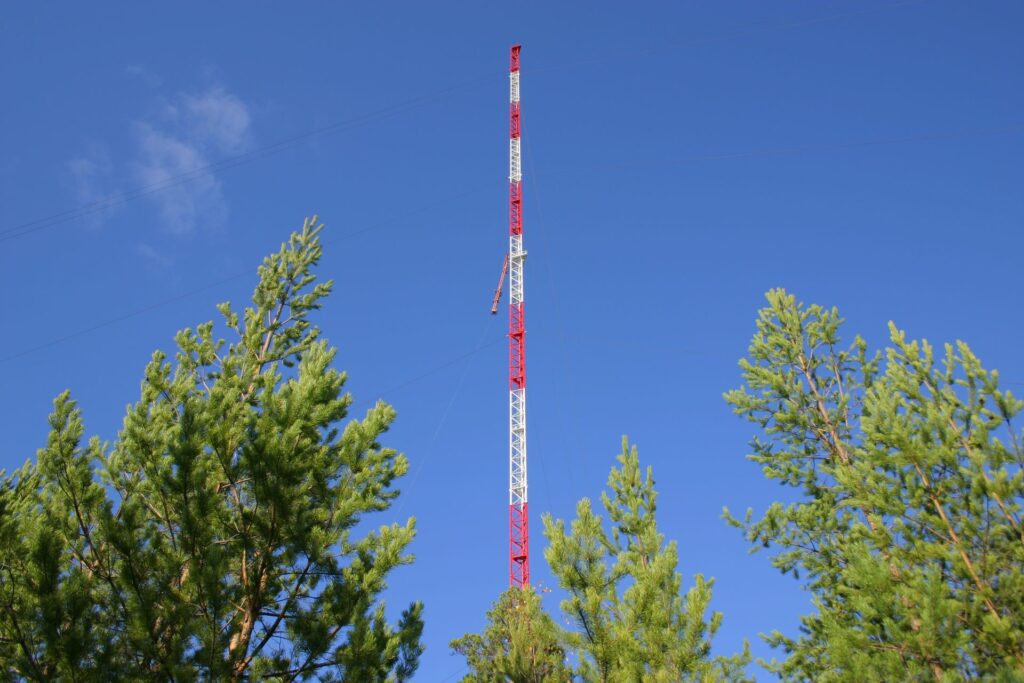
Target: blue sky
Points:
x,y
680,160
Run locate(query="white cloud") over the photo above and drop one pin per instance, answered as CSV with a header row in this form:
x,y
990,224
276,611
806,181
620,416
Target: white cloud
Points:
x,y
174,172
217,118
175,149
175,156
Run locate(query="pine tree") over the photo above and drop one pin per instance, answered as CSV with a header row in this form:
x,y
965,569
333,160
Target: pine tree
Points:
x,y
632,622
521,643
908,484
222,536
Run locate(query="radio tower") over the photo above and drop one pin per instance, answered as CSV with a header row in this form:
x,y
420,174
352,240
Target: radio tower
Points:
x,y
518,518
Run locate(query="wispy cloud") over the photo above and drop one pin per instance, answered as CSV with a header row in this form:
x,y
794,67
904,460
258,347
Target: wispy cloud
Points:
x,y
187,194
173,152
192,127
217,118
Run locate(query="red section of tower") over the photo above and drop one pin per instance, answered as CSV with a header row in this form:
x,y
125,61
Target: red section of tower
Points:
x,y
518,528
516,347
519,545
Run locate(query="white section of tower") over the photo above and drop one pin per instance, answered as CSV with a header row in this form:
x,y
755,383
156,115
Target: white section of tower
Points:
x,y
517,491
515,169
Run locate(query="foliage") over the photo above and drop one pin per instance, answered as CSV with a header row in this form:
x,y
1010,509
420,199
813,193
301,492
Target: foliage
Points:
x,y
521,643
633,624
908,485
215,539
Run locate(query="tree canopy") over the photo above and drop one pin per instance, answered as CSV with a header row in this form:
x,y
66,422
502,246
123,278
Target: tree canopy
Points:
x,y
630,619
907,472
222,535
521,643
633,622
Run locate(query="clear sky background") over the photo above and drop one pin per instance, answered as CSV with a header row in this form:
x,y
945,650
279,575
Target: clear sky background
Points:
x,y
680,160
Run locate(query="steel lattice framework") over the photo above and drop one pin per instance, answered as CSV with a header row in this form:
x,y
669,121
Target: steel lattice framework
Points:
x,y
518,517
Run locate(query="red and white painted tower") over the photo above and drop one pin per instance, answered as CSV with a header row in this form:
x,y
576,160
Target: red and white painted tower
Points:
x,y
518,517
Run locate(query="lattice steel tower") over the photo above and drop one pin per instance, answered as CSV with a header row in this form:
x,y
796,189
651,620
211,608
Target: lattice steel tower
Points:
x,y
518,517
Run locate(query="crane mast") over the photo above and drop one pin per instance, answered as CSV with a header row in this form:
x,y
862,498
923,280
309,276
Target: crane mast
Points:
x,y
519,536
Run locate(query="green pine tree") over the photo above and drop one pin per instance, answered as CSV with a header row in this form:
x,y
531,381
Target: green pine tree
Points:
x,y
632,621
521,643
221,536
907,485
